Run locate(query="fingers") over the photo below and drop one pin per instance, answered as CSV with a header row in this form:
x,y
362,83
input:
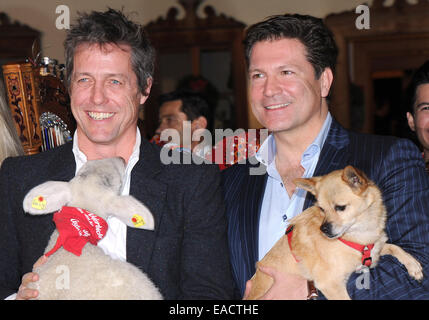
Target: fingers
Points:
x,y
25,293
285,286
272,272
42,260
247,290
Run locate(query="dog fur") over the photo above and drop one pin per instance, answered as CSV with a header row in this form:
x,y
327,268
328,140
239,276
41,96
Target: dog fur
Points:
x,y
93,274
350,206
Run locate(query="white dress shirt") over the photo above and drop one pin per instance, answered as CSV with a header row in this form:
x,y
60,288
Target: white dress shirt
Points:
x,y
277,207
114,242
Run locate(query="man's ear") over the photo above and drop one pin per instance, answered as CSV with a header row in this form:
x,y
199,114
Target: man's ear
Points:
x,y
411,123
145,95
199,123
47,197
326,79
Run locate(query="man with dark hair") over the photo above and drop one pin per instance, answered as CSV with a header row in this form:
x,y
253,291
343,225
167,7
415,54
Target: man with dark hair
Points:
x,y
418,108
291,61
110,69
181,111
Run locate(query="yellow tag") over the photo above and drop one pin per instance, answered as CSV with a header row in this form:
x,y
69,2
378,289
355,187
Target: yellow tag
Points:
x,y
39,203
138,221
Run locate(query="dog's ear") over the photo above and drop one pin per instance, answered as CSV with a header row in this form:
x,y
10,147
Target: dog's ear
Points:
x,y
131,212
308,184
47,197
355,178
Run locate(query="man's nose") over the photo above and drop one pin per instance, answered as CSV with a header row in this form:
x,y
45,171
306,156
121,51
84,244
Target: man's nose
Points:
x,y
98,94
162,126
271,87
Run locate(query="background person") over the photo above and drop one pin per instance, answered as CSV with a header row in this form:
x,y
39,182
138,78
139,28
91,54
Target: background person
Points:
x,y
179,106
10,145
418,108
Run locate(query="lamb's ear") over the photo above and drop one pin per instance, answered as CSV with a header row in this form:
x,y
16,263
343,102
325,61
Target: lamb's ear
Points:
x,y
308,184
47,197
131,212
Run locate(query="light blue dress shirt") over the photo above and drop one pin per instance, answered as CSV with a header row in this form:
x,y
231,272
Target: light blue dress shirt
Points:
x,y
277,207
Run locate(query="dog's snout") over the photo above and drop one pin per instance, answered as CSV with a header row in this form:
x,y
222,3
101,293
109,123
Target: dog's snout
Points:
x,y
326,228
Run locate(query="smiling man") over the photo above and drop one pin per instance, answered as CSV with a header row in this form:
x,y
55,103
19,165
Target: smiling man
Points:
x,y
291,65
418,105
110,65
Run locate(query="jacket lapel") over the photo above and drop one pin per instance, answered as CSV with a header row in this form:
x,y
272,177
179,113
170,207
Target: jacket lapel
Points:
x,y
152,193
62,166
333,155
249,217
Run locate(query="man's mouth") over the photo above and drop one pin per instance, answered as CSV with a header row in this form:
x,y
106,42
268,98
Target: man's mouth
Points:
x,y
277,106
100,115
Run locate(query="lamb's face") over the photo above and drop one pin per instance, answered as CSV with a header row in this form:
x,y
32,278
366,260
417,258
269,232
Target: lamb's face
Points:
x,y
96,188
96,181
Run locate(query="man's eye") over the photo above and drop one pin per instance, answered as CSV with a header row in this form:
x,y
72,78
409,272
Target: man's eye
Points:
x,y
287,72
114,81
83,80
257,76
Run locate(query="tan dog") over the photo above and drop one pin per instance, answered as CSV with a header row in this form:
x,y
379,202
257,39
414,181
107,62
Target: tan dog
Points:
x,y
349,207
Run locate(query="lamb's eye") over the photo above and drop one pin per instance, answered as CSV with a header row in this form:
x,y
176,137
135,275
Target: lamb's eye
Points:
x,y
340,208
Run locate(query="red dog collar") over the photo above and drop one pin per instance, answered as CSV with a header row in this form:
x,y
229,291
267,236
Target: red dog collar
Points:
x,y
365,250
76,227
289,232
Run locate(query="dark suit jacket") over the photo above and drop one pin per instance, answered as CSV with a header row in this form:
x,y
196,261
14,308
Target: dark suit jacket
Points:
x,y
395,165
186,255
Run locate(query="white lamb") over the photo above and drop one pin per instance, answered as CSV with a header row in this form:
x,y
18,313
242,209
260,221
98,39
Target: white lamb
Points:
x,y
92,275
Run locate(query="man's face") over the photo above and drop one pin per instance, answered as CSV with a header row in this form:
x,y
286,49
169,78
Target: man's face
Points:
x,y
104,94
420,122
284,92
171,117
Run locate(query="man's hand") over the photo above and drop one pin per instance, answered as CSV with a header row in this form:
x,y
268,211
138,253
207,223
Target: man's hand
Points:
x,y
25,293
285,286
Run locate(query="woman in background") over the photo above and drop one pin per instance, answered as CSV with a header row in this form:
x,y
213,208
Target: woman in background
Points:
x,y
10,145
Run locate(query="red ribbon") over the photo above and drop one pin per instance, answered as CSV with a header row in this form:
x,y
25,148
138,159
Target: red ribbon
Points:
x,y
76,227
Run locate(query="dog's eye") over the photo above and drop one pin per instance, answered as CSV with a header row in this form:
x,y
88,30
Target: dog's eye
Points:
x,y
340,208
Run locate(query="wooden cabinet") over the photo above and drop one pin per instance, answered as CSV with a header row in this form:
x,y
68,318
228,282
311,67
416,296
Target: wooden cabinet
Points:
x,y
375,64
200,49
32,89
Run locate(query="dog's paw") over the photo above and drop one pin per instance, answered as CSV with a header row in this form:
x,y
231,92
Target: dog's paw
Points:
x,y
415,269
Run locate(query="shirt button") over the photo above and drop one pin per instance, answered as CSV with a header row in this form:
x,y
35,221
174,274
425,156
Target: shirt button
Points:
x,y
284,217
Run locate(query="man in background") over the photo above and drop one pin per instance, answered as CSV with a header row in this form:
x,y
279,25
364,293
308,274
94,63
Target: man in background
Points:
x,y
186,113
418,108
